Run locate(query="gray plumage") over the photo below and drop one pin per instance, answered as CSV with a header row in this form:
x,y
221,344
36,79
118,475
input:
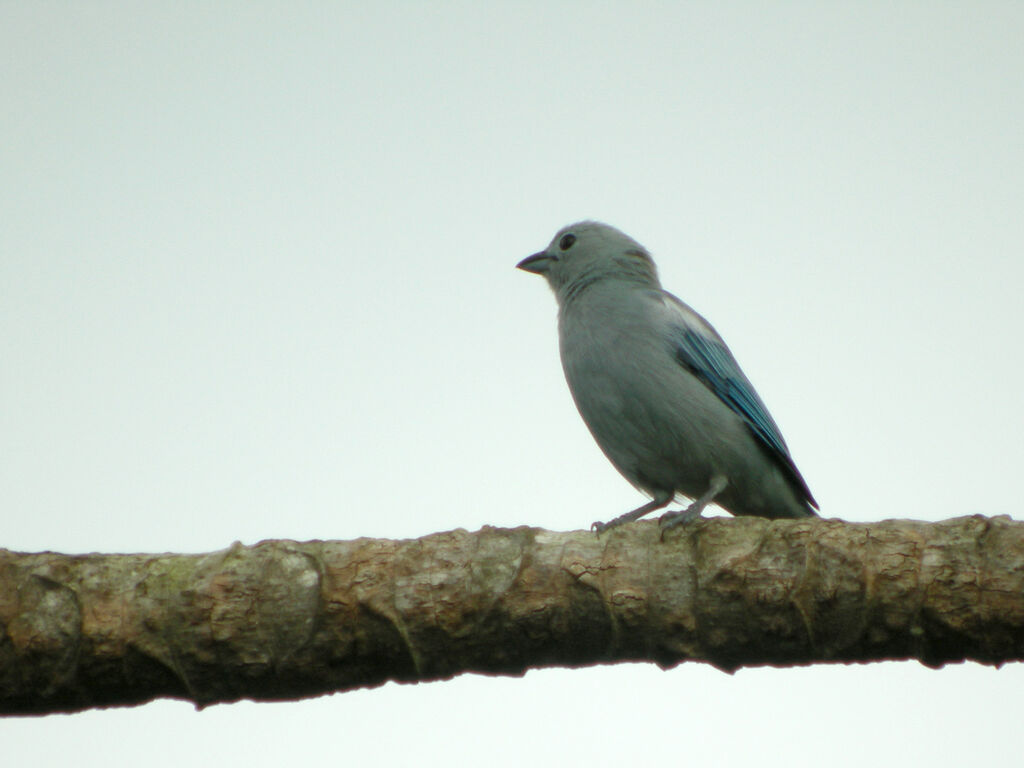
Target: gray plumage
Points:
x,y
658,388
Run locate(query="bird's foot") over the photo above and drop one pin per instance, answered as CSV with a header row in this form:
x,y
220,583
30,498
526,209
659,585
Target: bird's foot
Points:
x,y
657,502
670,520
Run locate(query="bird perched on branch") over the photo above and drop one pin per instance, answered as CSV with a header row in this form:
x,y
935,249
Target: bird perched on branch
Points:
x,y
659,389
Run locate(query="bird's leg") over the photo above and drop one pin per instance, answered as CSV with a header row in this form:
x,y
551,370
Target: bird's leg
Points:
x,y
661,499
692,512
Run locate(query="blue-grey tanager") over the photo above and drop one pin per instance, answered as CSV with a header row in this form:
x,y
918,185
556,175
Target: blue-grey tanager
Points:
x,y
659,389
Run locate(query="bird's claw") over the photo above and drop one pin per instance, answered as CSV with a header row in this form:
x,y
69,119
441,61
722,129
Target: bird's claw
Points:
x,y
670,520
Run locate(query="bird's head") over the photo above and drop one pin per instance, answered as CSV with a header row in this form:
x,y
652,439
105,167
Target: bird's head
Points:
x,y
587,251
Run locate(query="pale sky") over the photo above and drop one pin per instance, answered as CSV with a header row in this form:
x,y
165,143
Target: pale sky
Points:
x,y
257,281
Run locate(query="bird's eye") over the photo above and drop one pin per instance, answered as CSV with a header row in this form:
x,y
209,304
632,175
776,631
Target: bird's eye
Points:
x,y
566,242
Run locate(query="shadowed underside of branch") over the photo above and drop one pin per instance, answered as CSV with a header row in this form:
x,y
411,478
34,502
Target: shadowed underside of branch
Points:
x,y
284,619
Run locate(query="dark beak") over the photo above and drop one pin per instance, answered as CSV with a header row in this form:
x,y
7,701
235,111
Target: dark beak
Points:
x,y
538,263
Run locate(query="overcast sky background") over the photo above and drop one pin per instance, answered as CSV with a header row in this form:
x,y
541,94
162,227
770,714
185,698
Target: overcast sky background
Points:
x,y
256,281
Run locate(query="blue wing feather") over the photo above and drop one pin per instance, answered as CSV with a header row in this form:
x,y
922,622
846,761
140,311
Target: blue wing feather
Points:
x,y
707,358
710,362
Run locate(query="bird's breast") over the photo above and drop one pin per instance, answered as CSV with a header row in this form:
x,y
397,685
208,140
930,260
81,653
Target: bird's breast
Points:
x,y
648,413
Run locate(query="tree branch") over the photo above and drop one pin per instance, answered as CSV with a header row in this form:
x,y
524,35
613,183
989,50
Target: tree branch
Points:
x,y
283,620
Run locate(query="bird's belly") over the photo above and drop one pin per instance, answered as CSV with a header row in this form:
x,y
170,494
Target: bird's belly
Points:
x,y
663,433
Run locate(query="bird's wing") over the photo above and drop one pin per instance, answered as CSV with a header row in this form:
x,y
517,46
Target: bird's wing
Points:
x,y
701,351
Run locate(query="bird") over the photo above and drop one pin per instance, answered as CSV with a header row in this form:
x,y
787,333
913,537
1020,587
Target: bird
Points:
x,y
658,388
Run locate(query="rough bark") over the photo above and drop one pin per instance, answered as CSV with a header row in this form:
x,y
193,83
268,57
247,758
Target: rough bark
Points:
x,y
283,619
